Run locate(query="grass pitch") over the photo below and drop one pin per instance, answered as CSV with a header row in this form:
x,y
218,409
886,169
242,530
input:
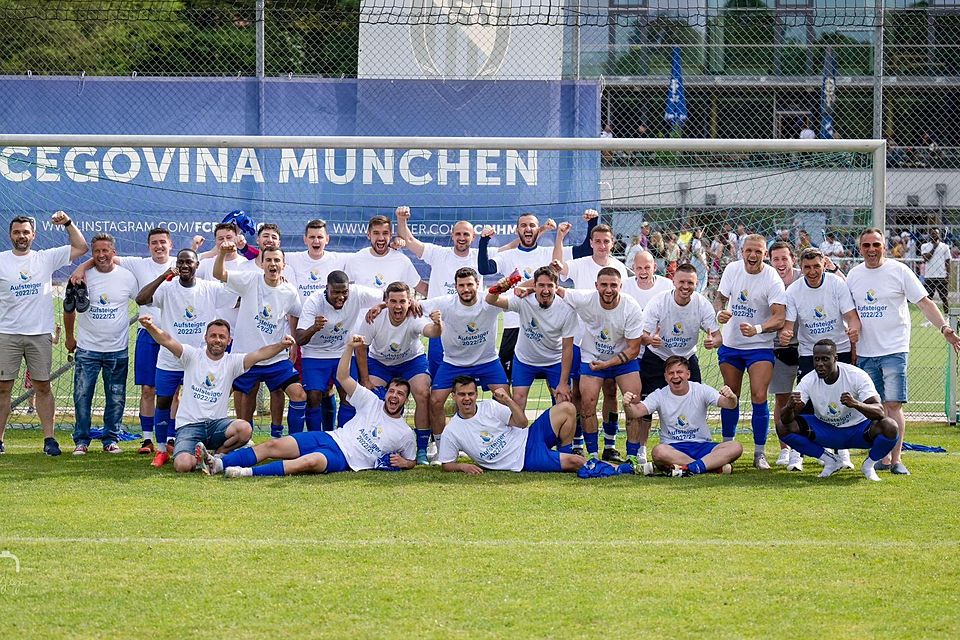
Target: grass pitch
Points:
x,y
110,548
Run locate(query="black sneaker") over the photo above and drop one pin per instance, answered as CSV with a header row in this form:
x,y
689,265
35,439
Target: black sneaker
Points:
x,y
70,298
612,456
83,298
51,447
578,451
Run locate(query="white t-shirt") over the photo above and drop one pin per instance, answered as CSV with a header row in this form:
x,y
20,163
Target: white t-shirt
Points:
x,y
444,264
26,290
185,313
583,271
105,326
936,266
644,296
683,418
228,310
309,275
264,315
606,331
486,438
679,326
750,298
392,345
378,271
825,398
371,433
818,312
145,270
540,342
341,323
831,248
206,384
881,296
526,261
469,334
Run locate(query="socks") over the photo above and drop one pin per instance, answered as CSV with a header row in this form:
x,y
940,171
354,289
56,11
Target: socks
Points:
x,y
146,426
172,428
803,445
566,448
728,423
328,407
578,434
314,419
697,467
276,430
610,430
161,421
423,438
592,442
274,468
295,413
760,422
242,457
882,445
633,449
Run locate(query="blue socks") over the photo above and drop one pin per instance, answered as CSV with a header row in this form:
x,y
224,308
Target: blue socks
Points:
x,y
610,430
146,426
276,430
728,422
328,406
567,448
578,434
161,422
697,467
295,414
423,438
274,468
314,419
633,448
592,442
882,445
242,457
760,422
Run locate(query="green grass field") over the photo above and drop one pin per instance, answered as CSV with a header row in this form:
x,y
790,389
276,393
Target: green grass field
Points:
x,y
108,547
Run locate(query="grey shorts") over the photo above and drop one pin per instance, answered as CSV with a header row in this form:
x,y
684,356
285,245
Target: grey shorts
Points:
x,y
36,350
784,377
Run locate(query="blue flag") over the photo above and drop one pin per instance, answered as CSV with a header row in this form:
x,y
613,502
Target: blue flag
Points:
x,y
828,94
676,112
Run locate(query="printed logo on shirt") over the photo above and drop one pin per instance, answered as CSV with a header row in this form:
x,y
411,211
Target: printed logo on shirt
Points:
x,y
527,273
677,328
873,307
533,323
682,421
379,280
24,276
472,327
833,408
744,295
375,432
104,298
819,313
871,296
486,437
395,347
314,275
338,328
604,335
266,312
189,313
210,381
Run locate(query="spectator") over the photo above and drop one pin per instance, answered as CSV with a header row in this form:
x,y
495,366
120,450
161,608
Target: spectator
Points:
x,y
807,133
697,255
658,250
804,241
606,134
832,248
936,260
672,255
645,235
635,248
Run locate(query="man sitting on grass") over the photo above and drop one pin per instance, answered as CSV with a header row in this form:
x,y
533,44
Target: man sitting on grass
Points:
x,y
685,445
846,414
377,437
494,434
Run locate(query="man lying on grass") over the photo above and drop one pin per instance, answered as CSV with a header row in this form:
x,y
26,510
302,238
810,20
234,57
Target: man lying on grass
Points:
x,y
377,437
208,376
494,434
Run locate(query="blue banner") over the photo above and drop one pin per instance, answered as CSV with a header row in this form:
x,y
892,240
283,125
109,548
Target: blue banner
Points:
x,y
828,94
676,111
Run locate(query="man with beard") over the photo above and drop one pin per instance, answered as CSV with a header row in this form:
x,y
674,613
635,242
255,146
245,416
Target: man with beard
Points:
x,y
328,318
208,373
26,315
187,304
380,265
376,438
545,346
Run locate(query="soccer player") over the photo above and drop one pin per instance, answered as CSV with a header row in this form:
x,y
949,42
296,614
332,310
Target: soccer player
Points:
x,y
380,265
494,434
328,318
757,306
545,347
100,344
26,315
376,438
612,332
208,373
685,441
308,270
881,289
845,413
226,233
269,305
187,304
818,306
393,343
672,322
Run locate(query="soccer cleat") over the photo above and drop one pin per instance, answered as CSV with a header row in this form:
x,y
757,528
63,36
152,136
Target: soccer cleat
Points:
x,y
170,445
899,469
796,461
578,451
146,447
432,449
70,298
760,461
882,466
233,472
784,458
725,470
206,461
679,471
422,458
80,450
648,469
869,472
82,297
844,455
611,455
831,464
51,447
160,459
113,448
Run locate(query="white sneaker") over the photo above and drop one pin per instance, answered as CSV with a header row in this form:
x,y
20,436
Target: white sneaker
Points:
x,y
795,463
432,449
760,461
784,458
237,472
648,469
642,455
868,471
844,455
831,464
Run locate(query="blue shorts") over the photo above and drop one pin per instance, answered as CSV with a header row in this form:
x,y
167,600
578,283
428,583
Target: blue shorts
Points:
x,y
524,374
212,433
889,375
278,375
167,382
539,455
831,437
612,372
575,369
145,356
321,442
434,355
485,374
743,359
406,370
652,372
319,374
696,449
